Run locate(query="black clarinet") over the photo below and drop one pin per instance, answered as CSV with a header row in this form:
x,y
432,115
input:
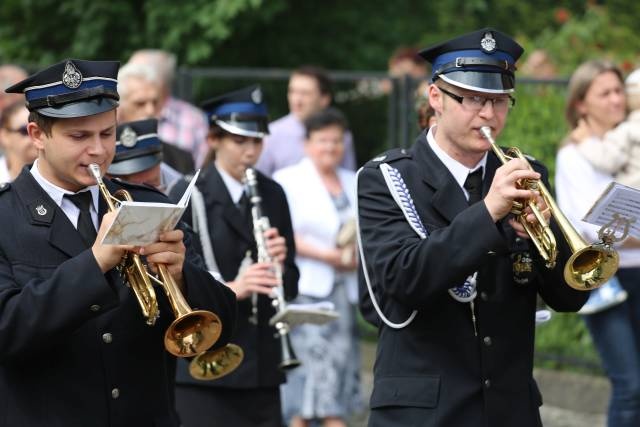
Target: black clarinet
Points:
x,y
260,225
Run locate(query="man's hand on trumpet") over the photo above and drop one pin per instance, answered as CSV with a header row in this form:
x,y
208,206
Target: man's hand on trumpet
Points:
x,y
108,256
505,189
168,250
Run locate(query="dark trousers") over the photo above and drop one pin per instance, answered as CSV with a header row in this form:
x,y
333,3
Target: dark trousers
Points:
x,y
616,334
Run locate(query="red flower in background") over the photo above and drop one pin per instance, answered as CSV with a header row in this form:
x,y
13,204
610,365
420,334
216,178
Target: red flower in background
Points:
x,y
561,15
627,66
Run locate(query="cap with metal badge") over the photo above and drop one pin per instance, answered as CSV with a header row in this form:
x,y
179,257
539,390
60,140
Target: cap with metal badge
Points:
x,y
137,147
483,61
241,112
71,88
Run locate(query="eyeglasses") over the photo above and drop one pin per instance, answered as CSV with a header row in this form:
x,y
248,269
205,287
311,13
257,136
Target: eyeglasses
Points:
x,y
477,102
22,130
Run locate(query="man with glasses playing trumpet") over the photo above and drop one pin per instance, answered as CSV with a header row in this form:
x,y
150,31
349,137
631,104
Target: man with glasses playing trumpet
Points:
x,y
450,276
74,347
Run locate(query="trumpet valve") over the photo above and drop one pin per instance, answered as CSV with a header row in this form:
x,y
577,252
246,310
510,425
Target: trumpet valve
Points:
x,y
517,207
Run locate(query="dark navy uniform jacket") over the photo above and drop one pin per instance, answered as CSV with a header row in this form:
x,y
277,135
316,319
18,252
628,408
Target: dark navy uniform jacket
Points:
x,y
436,371
74,347
231,235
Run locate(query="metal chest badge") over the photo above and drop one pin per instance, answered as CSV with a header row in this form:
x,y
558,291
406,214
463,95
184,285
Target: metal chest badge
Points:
x,y
71,77
488,43
522,267
256,96
41,210
128,137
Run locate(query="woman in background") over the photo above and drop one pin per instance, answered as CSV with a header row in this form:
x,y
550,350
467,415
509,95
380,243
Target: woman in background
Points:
x,y
322,198
14,139
595,105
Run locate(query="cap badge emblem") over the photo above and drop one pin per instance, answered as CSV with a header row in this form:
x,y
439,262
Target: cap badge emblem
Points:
x,y
128,137
71,77
256,96
488,43
41,210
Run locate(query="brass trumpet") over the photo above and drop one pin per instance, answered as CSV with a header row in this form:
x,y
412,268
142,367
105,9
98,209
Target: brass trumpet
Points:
x,y
192,332
589,266
214,364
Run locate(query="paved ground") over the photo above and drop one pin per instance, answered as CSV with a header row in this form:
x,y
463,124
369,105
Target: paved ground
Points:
x,y
570,400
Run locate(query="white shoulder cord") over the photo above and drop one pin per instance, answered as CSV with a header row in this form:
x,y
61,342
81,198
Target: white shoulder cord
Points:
x,y
199,220
400,193
364,263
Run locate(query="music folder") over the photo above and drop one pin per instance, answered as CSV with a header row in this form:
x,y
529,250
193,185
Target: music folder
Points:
x,y
618,207
140,223
296,314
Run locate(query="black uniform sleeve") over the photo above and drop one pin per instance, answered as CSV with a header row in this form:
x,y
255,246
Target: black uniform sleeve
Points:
x,y
410,269
291,273
552,287
51,304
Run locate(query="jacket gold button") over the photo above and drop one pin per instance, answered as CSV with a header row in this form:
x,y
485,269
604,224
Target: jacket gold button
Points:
x,y
107,338
115,393
94,307
487,341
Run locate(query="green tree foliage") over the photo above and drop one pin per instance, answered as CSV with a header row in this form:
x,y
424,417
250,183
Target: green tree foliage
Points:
x,y
44,31
596,33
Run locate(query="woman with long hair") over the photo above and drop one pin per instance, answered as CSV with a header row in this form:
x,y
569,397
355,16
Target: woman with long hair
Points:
x,y
596,103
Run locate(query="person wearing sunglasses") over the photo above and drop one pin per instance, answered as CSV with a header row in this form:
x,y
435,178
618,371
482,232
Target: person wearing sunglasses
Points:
x,y
14,139
450,277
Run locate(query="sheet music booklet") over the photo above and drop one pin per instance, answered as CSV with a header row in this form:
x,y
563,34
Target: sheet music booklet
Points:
x,y
140,223
616,207
294,314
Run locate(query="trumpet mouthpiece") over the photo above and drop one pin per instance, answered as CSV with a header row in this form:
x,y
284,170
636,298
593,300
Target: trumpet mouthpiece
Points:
x,y
486,132
94,170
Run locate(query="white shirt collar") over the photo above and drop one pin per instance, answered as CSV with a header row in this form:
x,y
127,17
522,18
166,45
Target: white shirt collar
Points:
x,y
234,187
57,193
457,169
4,170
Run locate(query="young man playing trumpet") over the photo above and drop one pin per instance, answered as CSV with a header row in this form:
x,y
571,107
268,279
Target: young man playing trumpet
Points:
x,y
74,347
453,275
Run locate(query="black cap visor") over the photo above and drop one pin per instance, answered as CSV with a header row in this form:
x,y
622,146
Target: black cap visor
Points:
x,y
481,81
250,128
135,165
84,108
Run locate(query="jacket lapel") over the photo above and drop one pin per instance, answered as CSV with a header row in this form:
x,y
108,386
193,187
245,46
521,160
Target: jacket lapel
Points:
x,y
45,213
215,191
448,198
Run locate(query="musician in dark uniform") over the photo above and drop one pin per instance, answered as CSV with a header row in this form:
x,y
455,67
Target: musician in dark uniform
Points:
x,y
250,395
139,155
454,276
75,349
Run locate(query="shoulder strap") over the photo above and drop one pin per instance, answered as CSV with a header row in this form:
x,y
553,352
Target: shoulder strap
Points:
x,y
465,292
364,263
199,220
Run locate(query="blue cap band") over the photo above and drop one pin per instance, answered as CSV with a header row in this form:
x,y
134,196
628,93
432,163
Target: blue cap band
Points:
x,y
448,57
240,107
141,143
60,89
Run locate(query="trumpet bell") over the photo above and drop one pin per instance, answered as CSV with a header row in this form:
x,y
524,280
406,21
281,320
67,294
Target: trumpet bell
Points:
x,y
590,267
192,333
215,364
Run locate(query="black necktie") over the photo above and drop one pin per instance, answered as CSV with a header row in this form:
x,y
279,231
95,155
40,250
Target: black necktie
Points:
x,y
243,204
85,224
473,185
